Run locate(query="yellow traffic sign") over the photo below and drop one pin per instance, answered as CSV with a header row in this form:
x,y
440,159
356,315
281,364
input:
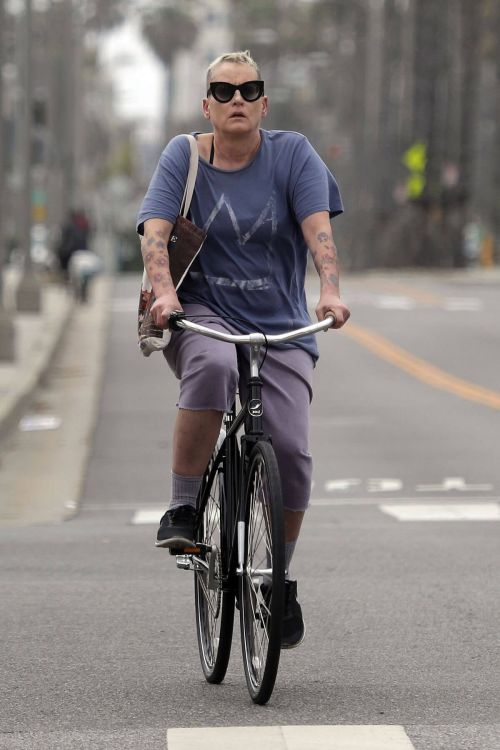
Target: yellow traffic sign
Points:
x,y
415,158
415,185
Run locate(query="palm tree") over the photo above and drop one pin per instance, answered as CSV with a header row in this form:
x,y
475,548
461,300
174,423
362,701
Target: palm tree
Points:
x,y
169,29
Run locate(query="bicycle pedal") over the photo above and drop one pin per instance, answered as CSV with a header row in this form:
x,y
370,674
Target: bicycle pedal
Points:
x,y
175,551
183,562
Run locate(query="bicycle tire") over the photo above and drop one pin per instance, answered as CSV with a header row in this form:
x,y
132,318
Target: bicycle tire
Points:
x,y
262,604
214,607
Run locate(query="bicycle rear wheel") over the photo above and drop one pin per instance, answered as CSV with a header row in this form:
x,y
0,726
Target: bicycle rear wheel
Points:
x,y
262,584
214,606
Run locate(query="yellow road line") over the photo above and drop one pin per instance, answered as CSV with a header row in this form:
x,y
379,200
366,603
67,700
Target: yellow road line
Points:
x,y
421,369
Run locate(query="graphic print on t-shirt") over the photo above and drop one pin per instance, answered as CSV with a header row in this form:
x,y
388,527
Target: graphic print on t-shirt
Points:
x,y
268,214
261,233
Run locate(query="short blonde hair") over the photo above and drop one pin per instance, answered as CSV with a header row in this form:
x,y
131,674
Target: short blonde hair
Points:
x,y
243,57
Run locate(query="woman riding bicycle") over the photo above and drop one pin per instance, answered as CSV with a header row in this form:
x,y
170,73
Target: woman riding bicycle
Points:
x,y
264,198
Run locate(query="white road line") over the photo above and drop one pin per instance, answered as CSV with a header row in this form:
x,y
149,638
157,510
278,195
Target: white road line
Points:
x,y
454,483
448,512
385,485
386,302
352,501
344,737
341,485
460,304
147,516
377,484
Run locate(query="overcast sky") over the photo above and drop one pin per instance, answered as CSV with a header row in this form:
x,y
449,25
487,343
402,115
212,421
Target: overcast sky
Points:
x,y
140,79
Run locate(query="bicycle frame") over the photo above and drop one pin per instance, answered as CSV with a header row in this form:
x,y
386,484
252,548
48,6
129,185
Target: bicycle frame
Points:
x,y
250,416
234,457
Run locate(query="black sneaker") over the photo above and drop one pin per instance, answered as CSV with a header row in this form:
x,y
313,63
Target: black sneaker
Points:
x,y
293,625
177,528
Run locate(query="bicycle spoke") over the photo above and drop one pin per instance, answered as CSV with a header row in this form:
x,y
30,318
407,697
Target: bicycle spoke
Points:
x,y
208,595
260,636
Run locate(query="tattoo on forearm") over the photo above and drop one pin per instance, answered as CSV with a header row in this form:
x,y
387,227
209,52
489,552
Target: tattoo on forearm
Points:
x,y
155,253
325,259
332,278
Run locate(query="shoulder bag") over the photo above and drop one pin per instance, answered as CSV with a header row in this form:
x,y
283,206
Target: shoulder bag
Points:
x,y
186,241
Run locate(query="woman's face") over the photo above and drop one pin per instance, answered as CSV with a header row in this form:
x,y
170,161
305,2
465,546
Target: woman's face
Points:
x,y
236,117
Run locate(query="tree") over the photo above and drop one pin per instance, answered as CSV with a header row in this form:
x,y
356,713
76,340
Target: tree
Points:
x,y
103,14
169,29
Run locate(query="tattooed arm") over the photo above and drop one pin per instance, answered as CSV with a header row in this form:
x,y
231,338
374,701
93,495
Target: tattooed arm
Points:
x,y
317,233
155,256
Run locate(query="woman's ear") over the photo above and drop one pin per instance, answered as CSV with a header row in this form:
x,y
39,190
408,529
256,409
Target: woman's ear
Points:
x,y
265,106
206,108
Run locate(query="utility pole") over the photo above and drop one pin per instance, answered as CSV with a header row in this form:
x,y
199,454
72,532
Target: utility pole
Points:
x,y
7,349
28,291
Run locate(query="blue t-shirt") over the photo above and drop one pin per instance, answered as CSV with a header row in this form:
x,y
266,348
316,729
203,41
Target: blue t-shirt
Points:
x,y
252,265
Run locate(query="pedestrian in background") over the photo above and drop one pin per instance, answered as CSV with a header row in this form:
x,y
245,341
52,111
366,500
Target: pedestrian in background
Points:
x,y
74,236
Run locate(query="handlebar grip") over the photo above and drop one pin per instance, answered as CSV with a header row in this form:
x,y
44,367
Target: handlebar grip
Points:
x,y
331,314
174,318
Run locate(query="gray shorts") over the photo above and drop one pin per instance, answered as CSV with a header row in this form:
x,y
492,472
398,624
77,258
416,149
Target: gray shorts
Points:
x,y
210,374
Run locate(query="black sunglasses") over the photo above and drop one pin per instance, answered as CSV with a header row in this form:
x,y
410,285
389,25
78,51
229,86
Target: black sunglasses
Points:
x,y
223,92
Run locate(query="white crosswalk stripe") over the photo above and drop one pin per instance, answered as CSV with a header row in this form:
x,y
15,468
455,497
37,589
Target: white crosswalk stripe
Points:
x,y
148,515
340,737
443,512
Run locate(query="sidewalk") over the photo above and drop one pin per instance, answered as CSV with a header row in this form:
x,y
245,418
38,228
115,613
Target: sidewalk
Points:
x,y
37,337
55,386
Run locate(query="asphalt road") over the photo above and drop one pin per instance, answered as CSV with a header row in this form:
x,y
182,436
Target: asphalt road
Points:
x,y
99,647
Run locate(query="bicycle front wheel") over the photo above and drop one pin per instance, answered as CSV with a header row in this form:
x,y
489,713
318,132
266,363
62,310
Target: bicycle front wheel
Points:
x,y
214,605
262,584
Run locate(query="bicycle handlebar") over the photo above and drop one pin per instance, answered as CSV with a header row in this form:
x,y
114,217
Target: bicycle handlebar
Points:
x,y
178,321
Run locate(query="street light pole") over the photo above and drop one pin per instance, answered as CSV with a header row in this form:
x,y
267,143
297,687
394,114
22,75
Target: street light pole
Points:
x,y
7,348
28,291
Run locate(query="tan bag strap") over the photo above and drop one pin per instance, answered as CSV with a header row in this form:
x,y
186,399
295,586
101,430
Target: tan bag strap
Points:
x,y
186,198
191,178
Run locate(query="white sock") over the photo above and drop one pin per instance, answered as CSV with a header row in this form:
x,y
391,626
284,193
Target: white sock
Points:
x,y
289,550
184,490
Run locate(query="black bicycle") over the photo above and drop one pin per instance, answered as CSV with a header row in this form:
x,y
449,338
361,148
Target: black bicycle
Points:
x,y
239,556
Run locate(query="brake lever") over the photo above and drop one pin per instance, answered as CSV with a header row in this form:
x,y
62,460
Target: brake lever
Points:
x,y
174,318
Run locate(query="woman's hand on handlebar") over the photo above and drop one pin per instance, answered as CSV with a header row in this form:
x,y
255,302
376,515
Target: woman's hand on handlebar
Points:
x,y
163,307
332,305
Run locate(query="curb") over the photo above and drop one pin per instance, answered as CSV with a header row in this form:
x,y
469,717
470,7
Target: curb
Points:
x,y
90,330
